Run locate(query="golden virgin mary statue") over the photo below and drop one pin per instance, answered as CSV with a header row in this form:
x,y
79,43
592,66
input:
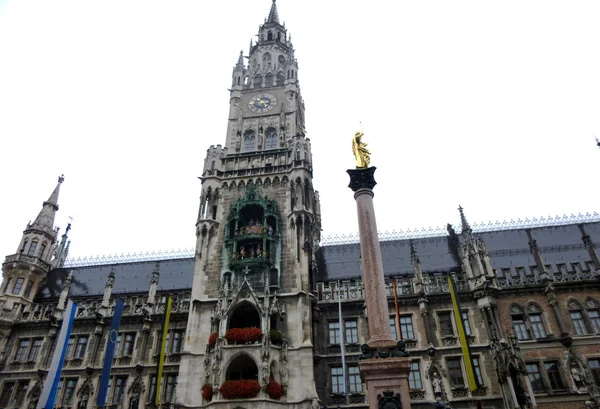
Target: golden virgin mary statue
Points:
x,y
360,151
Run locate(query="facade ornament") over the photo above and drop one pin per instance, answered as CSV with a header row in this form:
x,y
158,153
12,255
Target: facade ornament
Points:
x,y
110,282
155,273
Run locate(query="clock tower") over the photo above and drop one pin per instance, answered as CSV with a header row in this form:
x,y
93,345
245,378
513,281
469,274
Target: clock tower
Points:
x,y
249,329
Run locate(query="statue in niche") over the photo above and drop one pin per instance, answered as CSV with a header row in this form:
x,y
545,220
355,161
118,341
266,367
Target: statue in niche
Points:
x,y
577,378
243,252
436,383
258,251
360,151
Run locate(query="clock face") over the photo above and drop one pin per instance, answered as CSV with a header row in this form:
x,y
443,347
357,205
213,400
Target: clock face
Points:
x,y
262,103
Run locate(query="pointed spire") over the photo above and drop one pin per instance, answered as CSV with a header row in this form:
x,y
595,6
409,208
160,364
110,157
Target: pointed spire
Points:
x,y
463,220
62,250
273,16
240,62
45,219
250,49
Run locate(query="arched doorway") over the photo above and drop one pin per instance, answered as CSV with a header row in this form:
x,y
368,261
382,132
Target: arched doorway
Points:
x,y
244,316
242,367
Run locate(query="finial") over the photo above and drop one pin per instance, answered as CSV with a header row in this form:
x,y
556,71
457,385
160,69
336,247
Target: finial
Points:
x,y
112,272
61,178
67,282
463,220
413,253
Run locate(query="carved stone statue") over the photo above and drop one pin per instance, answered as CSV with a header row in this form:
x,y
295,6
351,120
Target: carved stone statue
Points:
x,y
436,382
576,374
360,151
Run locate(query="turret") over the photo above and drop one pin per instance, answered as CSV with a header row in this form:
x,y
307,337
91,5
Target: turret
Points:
x,y
25,271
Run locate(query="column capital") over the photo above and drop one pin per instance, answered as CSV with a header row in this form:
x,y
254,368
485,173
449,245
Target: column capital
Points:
x,y
362,178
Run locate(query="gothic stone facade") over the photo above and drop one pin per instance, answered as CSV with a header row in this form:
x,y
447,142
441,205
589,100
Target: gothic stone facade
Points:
x,y
530,296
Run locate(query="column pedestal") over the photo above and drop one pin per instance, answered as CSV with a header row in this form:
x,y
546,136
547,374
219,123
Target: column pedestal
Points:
x,y
386,374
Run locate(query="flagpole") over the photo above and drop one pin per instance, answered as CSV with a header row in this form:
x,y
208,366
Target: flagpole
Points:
x,y
162,346
342,344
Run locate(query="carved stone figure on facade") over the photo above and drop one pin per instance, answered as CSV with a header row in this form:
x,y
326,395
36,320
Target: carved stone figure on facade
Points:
x,y
577,377
265,372
436,383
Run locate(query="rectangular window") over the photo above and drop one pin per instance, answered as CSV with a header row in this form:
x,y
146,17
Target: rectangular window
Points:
x,y
19,395
32,248
537,326
595,320
414,376
70,347
22,350
119,391
36,346
354,378
465,320
406,327
152,393
7,284
455,372
170,388
578,324
28,288
59,390
177,345
18,286
69,393
7,390
393,328
128,344
594,365
334,332
351,332
533,372
337,380
554,378
520,327
117,346
446,329
81,347
477,370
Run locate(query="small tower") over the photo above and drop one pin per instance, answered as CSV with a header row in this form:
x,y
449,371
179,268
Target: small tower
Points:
x,y
25,271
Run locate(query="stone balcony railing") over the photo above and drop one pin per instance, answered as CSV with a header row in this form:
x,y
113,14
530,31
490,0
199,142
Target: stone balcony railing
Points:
x,y
89,308
557,273
24,258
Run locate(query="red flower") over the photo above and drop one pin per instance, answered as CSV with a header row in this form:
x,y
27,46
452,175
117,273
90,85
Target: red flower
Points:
x,y
243,335
207,392
274,389
240,389
212,340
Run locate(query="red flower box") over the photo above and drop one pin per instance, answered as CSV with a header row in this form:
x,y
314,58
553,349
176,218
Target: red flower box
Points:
x,y
212,340
207,392
274,389
240,389
243,335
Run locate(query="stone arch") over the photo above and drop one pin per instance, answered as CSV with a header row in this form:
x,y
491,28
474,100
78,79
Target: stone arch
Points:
x,y
257,81
280,78
276,181
267,181
241,185
244,315
259,181
285,180
224,185
241,366
269,79
232,185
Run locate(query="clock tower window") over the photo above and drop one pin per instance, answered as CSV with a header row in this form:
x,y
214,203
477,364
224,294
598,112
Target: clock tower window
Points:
x,y
269,80
258,81
280,78
270,139
249,140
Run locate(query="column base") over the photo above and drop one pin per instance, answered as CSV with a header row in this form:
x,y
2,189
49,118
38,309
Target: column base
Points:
x,y
386,374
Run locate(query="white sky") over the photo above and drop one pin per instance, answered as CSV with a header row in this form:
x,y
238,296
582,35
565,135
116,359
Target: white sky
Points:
x,y
488,104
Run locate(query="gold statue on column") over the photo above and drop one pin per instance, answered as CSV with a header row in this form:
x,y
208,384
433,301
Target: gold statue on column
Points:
x,y
360,151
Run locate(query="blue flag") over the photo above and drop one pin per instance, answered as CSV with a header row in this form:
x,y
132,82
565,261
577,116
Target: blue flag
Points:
x,y
110,351
51,385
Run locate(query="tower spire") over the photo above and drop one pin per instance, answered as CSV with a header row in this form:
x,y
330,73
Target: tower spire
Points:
x,y
45,219
240,62
273,16
463,220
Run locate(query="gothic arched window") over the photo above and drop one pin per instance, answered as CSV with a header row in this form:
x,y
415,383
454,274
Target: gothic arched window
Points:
x,y
536,322
257,81
249,140
280,78
577,318
271,139
269,80
519,322
32,248
593,311
270,36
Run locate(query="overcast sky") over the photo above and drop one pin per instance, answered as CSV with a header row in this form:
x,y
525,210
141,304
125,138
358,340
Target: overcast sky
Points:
x,y
488,104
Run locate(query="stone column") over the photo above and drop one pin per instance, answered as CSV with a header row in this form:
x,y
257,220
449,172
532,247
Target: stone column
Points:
x,y
383,367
